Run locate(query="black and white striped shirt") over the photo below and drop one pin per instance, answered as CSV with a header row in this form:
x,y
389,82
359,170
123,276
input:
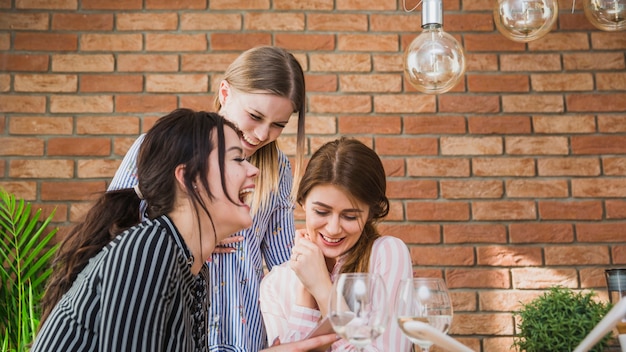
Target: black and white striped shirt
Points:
x,y
137,294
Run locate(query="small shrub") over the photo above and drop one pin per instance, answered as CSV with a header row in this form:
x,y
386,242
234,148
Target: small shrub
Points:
x,y
558,321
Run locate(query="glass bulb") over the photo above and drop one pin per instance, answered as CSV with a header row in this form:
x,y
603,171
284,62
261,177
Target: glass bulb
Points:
x,y
434,62
607,15
525,20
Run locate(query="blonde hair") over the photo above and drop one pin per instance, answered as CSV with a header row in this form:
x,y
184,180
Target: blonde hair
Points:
x,y
274,70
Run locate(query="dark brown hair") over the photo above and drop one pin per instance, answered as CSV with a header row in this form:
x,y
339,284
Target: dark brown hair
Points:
x,y
351,165
183,137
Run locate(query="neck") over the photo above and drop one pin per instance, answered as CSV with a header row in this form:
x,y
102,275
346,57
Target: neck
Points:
x,y
201,247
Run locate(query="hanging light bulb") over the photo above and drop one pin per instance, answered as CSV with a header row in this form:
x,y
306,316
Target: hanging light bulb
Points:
x,y
607,15
525,20
434,62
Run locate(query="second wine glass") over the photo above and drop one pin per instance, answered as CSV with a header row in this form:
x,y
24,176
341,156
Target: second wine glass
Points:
x,y
358,309
423,300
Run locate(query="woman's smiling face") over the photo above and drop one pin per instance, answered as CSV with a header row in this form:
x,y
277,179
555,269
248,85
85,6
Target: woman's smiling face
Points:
x,y
334,220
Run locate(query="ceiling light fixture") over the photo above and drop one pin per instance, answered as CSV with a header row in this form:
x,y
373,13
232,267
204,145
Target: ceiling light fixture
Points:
x,y
434,62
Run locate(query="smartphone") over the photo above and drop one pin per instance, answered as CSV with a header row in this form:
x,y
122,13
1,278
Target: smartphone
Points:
x,y
323,327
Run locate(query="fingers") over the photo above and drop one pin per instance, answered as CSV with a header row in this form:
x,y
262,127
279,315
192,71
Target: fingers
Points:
x,y
316,342
231,240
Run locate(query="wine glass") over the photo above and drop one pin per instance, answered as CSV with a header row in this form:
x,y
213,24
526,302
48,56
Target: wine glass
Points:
x,y
358,309
423,300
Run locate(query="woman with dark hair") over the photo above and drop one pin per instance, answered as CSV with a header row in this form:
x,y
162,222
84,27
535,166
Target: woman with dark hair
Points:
x,y
342,193
121,285
261,91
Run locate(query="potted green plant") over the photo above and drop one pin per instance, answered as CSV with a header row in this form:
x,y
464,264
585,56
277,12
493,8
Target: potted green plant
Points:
x,y
25,253
558,320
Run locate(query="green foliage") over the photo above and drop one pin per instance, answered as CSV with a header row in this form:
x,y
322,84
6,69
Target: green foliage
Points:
x,y
25,254
558,321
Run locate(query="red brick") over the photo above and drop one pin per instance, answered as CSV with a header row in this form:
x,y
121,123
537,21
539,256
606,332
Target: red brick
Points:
x,y
467,104
338,103
163,83
79,146
594,278
366,124
97,168
448,167
45,83
412,233
600,232
532,103
394,167
474,233
47,4
593,61
372,5
490,42
612,81
404,103
561,82
82,22
83,63
410,146
412,189
570,210
506,300
541,233
509,256
608,40
471,145
111,5
568,166
574,21
147,63
503,167
111,42
482,324
615,209
306,42
71,191
434,211
29,41
536,145
382,83
449,256
614,166
210,21
340,62
468,22
339,22
498,83
530,188
175,42
434,124
564,41
145,103
471,189
477,278
612,123
304,4
111,83
530,62
598,144
37,125
239,4
146,21
177,5
21,146
22,104
598,188
368,42
19,62
57,168
619,254
272,21
577,255
238,41
78,103
564,124
24,189
24,21
543,278
596,102
94,125
499,124
481,62
504,210
321,83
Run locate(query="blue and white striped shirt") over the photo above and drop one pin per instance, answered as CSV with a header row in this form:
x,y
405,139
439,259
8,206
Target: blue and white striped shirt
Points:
x,y
137,294
235,320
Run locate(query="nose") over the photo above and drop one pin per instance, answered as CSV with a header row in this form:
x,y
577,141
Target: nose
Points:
x,y
262,132
333,226
253,171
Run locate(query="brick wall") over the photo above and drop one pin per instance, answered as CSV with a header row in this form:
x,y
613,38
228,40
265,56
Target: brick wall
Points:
x,y
510,183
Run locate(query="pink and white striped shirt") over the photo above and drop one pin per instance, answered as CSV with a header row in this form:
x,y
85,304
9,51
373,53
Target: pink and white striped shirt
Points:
x,y
390,258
